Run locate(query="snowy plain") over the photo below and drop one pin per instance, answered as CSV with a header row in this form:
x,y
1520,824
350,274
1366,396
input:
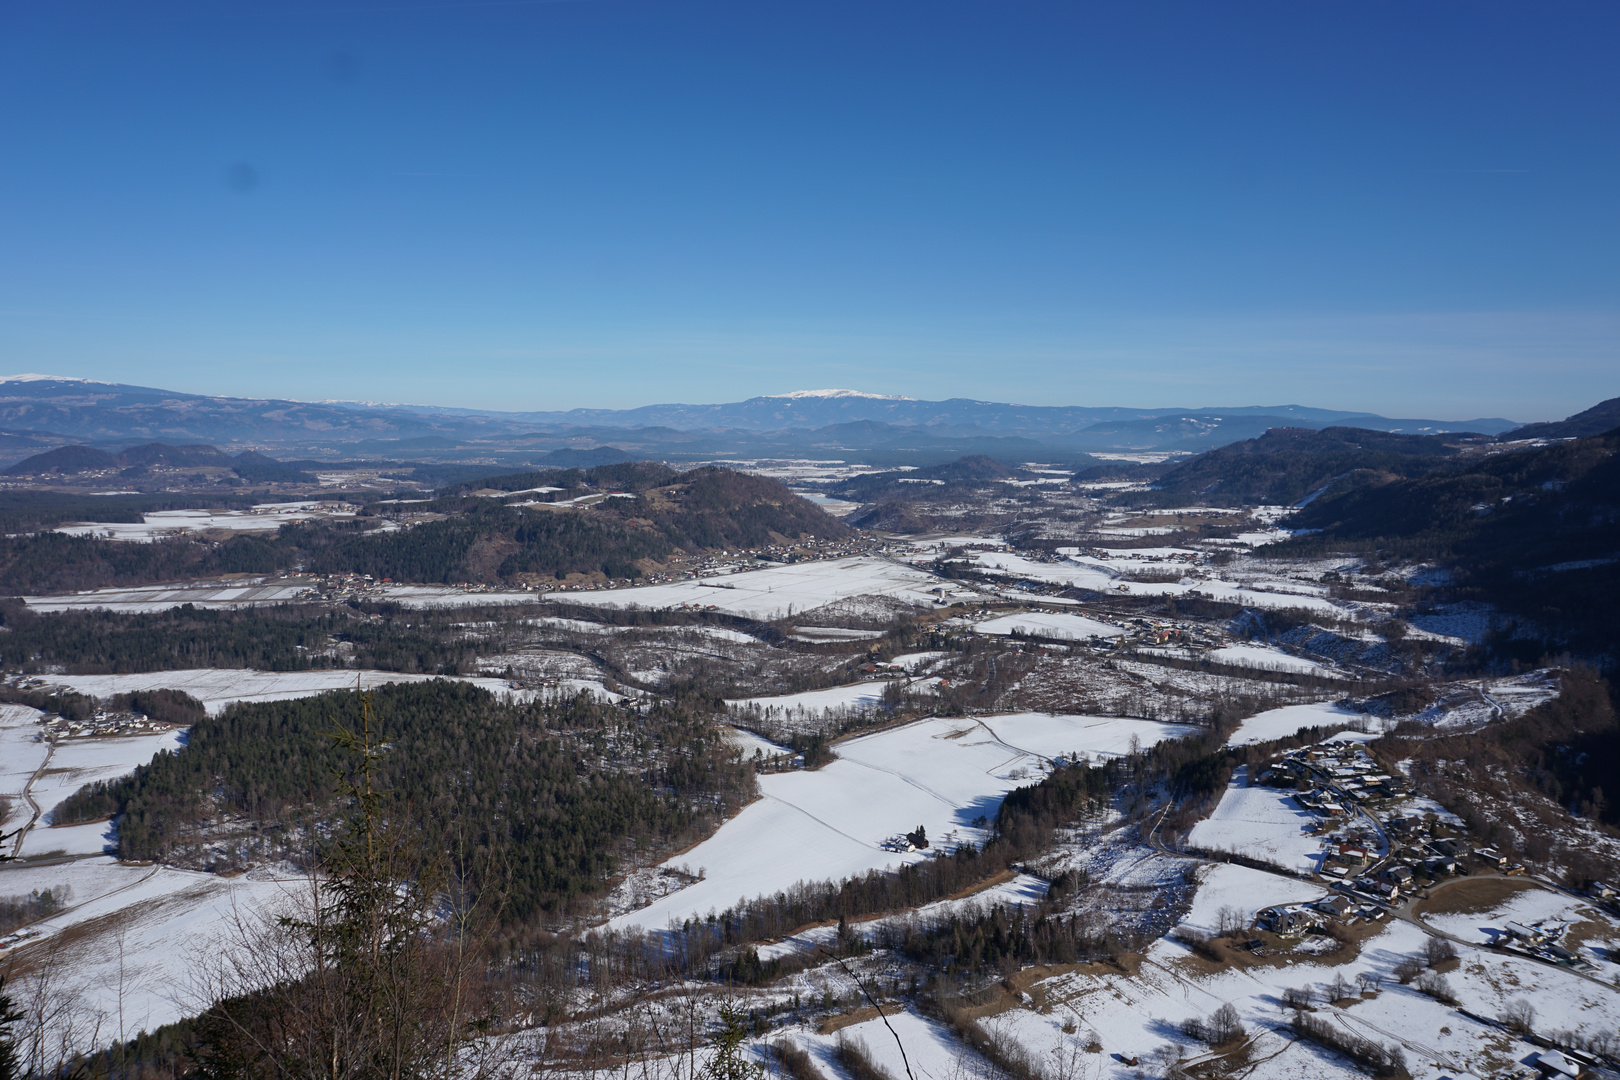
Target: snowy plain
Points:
x,y
830,823
1049,624
1283,722
1262,823
781,590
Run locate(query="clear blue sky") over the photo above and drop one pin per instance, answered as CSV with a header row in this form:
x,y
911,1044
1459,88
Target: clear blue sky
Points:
x,y
1410,208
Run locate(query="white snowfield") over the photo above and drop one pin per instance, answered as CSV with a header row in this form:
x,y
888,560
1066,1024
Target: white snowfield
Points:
x,y
1262,823
1050,624
1283,722
1102,575
830,823
74,763
215,594
781,590
265,517
147,598
1248,891
219,687
932,1051
144,934
1267,658
749,743
21,753
856,696
1533,905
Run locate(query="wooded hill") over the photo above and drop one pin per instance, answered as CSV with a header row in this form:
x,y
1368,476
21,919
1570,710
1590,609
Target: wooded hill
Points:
x,y
537,801
1285,465
137,461
648,513
1534,531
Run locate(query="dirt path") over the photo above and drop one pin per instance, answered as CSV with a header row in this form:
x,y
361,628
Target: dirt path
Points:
x,y
28,793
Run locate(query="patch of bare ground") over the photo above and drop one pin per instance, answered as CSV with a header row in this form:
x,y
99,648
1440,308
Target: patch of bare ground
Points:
x,y
1462,896
1225,1061
844,1020
1589,930
1277,952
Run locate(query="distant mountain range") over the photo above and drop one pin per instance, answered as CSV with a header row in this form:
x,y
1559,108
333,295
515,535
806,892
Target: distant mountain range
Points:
x,y
38,412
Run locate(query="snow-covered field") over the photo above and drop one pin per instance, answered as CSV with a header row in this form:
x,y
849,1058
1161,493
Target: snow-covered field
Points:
x,y
1535,905
140,936
265,517
163,597
1049,624
215,594
219,687
21,753
1262,823
1280,723
1266,658
1245,890
749,743
830,823
861,695
1102,575
931,1051
74,763
780,590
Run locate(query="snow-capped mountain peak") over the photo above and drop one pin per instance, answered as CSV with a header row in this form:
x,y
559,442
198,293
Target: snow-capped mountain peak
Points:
x,y
801,394
32,377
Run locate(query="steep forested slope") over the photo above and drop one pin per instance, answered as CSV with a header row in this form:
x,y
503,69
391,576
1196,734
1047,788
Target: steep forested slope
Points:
x,y
1536,531
1602,417
1285,465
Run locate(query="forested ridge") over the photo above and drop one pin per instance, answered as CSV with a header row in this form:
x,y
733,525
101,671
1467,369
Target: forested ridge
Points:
x,y
281,638
649,513
1285,465
1534,531
551,794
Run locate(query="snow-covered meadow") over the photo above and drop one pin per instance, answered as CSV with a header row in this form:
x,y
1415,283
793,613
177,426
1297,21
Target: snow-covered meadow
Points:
x,y
781,591
1262,823
1049,624
942,774
265,517
1283,722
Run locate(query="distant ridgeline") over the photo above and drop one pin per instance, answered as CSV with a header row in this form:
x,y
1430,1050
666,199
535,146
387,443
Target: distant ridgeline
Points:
x,y
647,514
138,461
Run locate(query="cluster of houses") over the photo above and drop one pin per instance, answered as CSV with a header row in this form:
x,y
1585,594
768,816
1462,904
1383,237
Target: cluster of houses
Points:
x,y
1339,782
1543,941
1293,920
54,727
